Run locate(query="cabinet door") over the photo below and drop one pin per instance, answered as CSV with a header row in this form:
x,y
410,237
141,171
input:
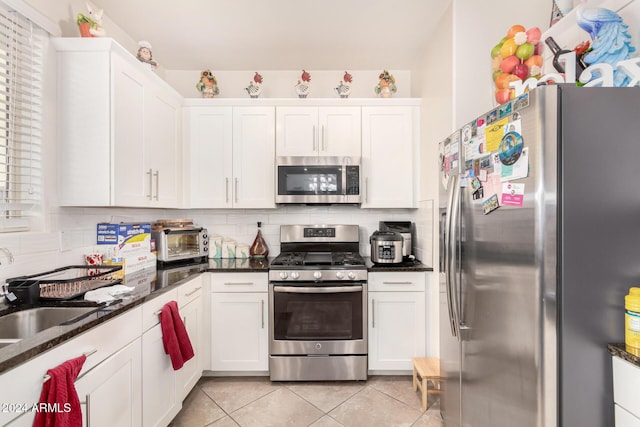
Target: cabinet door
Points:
x,y
253,157
111,392
188,376
340,133
239,332
160,402
131,184
296,131
162,147
208,143
396,329
388,157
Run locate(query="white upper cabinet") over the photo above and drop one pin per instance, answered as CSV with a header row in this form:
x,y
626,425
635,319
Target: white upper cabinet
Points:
x,y
390,156
318,131
229,157
119,128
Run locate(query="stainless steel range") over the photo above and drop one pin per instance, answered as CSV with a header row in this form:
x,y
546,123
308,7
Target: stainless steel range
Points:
x,y
318,305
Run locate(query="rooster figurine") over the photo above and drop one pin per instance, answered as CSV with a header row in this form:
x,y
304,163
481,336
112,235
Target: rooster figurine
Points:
x,y
303,87
344,89
255,87
611,41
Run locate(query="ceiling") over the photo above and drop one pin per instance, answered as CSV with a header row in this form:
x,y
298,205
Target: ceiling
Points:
x,y
280,34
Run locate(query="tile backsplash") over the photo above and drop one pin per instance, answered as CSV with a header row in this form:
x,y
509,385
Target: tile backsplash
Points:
x,y
73,230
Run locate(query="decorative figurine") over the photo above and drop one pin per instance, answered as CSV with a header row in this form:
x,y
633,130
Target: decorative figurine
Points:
x,y
255,87
611,40
144,54
90,25
387,86
344,89
208,85
303,87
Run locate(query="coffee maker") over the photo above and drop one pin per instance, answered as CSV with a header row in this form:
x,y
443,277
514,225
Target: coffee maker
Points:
x,y
407,230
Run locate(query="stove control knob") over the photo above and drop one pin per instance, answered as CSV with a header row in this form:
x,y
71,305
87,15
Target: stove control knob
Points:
x,y
340,275
295,275
351,275
283,275
317,275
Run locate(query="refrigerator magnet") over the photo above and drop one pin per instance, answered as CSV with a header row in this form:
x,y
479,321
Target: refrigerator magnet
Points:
x,y
521,102
512,194
505,110
475,184
490,205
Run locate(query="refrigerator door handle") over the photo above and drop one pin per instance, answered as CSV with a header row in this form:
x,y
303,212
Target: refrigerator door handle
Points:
x,y
452,258
448,244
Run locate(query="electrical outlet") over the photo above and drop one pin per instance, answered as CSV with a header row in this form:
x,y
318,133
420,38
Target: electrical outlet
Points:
x,y
65,241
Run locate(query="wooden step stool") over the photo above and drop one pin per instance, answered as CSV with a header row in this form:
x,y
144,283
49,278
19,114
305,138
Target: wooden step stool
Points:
x,y
426,369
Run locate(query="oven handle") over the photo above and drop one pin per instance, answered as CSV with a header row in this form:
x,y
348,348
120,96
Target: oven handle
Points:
x,y
310,290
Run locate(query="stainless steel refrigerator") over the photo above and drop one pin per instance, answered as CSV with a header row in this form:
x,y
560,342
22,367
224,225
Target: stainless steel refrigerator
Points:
x,y
532,281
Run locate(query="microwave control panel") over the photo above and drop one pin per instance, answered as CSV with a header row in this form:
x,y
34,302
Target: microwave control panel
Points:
x,y
353,181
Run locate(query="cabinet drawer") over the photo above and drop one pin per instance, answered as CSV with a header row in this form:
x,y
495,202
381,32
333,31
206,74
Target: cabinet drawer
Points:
x,y
99,343
190,291
150,309
399,282
624,418
626,378
239,282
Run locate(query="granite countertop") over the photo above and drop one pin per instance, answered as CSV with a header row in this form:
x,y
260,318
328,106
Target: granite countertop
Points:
x,y
628,354
415,265
148,284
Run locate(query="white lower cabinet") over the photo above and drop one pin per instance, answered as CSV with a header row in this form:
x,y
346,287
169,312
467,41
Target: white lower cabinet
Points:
x,y
111,392
397,319
626,377
239,322
190,302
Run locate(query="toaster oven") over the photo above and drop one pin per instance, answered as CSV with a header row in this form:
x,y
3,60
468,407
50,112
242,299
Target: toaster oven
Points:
x,y
176,244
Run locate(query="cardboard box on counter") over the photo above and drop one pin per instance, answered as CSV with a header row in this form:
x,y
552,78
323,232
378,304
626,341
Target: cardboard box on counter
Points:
x,y
126,237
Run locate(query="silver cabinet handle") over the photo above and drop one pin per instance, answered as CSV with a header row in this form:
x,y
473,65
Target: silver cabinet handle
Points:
x,y
324,140
262,316
373,313
226,189
366,190
236,196
150,195
193,291
88,400
238,283
313,129
157,175
397,283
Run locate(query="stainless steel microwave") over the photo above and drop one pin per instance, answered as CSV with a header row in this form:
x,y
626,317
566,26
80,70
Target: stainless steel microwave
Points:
x,y
318,180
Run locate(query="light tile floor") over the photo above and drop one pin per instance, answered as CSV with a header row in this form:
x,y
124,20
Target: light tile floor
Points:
x,y
255,401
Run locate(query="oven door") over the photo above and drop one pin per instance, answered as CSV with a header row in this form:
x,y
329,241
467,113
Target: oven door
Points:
x,y
330,319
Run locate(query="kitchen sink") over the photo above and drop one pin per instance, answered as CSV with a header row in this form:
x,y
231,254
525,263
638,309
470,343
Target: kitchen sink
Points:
x,y
25,323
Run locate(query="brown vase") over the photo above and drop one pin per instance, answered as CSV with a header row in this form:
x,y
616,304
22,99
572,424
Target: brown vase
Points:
x,y
259,247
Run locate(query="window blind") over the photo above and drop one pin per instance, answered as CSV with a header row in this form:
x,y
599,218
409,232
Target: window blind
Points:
x,y
21,63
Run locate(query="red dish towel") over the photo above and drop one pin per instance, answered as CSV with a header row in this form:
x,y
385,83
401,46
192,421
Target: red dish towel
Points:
x,y
174,336
59,404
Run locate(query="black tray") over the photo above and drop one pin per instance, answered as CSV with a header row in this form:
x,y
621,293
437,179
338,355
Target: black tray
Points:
x,y
63,283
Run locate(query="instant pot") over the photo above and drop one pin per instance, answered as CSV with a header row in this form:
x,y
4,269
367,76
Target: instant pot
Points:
x,y
386,247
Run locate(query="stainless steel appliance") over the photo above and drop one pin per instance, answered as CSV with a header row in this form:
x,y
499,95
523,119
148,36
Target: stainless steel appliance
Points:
x,y
318,180
531,292
318,305
407,230
179,240
386,247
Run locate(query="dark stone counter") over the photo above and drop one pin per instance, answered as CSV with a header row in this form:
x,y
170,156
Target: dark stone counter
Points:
x,y
629,354
414,265
147,284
